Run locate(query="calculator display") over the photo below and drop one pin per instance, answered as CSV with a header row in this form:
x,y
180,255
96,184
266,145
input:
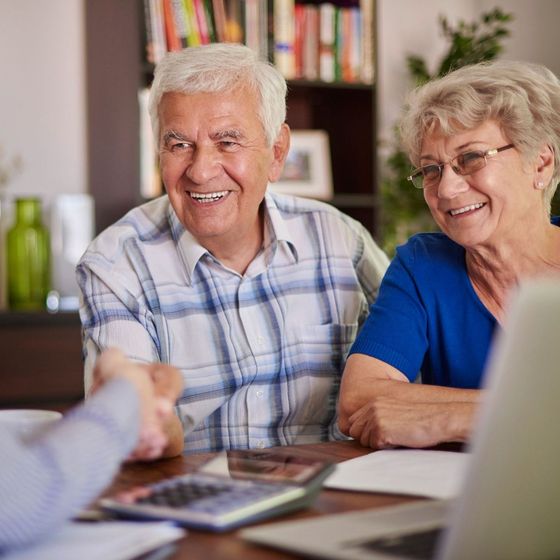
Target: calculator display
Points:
x,y
271,466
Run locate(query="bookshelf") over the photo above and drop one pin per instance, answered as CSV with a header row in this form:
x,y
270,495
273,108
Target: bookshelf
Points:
x,y
116,70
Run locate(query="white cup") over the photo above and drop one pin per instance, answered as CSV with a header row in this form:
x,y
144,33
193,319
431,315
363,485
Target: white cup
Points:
x,y
27,423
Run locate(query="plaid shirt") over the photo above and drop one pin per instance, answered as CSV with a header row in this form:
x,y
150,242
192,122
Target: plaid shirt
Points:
x,y
261,353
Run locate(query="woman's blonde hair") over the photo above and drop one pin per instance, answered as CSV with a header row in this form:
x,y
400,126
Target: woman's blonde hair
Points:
x,y
523,98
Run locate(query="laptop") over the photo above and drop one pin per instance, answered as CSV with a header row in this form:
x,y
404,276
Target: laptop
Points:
x,y
509,507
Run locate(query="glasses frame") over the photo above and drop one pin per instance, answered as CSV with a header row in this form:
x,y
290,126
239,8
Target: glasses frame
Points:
x,y
485,154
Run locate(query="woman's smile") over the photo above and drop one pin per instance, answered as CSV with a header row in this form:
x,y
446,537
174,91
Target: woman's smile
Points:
x,y
466,210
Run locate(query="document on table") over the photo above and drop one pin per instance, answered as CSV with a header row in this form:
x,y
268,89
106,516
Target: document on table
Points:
x,y
433,474
111,540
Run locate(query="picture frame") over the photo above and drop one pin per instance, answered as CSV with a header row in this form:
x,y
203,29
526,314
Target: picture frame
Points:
x,y
307,170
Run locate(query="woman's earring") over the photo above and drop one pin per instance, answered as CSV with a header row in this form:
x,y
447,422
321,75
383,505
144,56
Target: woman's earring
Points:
x,y
539,185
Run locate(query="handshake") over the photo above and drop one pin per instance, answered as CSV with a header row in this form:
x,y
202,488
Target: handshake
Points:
x,y
158,386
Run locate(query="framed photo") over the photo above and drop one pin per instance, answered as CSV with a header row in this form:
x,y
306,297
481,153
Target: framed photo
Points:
x,y
307,171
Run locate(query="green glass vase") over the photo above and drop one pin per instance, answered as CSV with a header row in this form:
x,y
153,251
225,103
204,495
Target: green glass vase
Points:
x,y
28,258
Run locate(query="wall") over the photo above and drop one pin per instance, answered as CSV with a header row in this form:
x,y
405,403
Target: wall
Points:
x,y
534,30
42,95
407,27
410,27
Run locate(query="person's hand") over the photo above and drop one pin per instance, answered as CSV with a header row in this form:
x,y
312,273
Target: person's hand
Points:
x,y
167,382
385,422
158,387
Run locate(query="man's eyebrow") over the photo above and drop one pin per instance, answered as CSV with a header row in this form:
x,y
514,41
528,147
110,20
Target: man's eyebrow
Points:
x,y
227,133
173,135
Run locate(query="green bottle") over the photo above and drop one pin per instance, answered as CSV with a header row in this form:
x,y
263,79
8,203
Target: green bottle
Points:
x,y
28,256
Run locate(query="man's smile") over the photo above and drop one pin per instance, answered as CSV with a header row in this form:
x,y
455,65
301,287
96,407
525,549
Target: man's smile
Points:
x,y
205,198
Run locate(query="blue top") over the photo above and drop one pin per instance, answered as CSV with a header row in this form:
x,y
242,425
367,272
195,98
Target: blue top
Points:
x,y
428,317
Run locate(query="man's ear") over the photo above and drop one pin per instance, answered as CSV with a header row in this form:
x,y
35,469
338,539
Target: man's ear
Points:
x,y
544,165
280,152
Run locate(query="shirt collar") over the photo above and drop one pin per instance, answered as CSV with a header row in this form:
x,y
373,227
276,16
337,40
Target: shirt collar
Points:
x,y
191,251
278,226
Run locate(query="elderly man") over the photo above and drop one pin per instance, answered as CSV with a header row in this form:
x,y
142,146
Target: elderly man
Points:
x,y
255,297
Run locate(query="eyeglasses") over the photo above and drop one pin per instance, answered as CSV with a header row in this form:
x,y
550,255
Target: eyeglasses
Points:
x,y
464,164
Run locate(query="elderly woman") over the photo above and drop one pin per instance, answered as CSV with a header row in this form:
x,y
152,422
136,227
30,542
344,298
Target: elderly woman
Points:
x,y
485,140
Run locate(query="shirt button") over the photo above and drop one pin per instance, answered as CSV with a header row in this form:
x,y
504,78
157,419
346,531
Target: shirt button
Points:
x,y
260,340
260,444
259,394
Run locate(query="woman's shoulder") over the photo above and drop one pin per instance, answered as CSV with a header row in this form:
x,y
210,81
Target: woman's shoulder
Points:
x,y
432,258
426,248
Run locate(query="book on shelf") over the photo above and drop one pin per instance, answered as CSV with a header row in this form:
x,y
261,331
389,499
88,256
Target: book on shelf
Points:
x,y
284,37
356,38
210,23
348,41
367,45
219,11
327,42
330,41
201,23
182,26
256,26
251,24
299,38
156,45
193,32
311,42
235,18
173,40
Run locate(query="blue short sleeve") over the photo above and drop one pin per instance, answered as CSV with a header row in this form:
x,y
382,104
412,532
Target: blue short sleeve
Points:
x,y
428,317
395,329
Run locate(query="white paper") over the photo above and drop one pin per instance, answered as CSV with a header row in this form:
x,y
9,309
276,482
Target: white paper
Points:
x,y
433,474
111,540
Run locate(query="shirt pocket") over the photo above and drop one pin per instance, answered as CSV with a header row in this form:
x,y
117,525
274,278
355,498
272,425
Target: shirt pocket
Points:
x,y
314,358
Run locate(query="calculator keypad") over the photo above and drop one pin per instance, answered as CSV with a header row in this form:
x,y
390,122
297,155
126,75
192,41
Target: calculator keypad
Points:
x,y
206,495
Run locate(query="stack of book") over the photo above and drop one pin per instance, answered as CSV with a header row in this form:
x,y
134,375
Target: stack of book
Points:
x,y
326,41
315,41
175,24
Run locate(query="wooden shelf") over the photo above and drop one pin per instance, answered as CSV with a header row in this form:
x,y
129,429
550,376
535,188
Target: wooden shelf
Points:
x,y
42,363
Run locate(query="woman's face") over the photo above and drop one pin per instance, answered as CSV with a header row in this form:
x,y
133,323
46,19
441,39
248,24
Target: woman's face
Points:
x,y
490,205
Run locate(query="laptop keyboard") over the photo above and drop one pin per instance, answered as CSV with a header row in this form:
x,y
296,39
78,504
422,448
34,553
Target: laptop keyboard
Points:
x,y
421,545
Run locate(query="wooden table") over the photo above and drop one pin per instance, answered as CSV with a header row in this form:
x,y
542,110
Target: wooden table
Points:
x,y
229,546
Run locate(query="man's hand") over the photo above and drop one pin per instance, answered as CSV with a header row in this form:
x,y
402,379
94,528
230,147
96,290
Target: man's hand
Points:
x,y
158,387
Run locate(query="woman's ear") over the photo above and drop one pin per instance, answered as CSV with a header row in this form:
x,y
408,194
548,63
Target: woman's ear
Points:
x,y
280,152
544,167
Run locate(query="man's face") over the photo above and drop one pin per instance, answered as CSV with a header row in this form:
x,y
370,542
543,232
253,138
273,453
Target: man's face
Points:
x,y
215,164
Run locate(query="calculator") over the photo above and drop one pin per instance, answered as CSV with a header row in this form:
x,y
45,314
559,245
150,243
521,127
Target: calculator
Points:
x,y
236,488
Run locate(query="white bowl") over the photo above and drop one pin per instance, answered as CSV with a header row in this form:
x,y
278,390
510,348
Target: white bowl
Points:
x,y
27,423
